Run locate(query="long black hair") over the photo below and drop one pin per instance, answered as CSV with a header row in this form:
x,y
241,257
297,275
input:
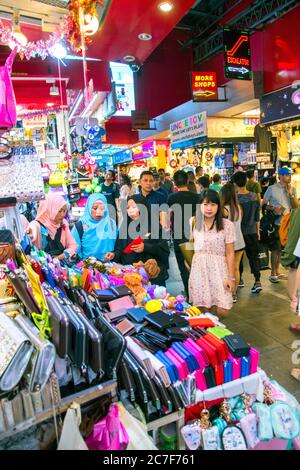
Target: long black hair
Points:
x,y
210,196
229,199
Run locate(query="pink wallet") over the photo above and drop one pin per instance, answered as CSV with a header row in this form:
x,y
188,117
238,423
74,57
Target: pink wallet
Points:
x,y
200,380
198,352
122,303
236,367
254,358
178,364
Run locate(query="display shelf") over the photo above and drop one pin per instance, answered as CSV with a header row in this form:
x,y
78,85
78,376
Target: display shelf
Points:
x,y
81,398
177,418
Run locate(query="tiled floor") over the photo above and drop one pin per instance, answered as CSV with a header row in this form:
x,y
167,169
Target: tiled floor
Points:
x,y
263,320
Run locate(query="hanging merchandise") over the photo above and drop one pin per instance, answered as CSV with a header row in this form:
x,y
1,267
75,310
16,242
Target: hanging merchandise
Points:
x,y
21,175
263,137
8,108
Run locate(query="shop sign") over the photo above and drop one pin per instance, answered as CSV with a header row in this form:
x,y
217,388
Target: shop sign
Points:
x,y
188,130
204,86
230,127
281,104
122,157
35,121
237,54
140,120
145,150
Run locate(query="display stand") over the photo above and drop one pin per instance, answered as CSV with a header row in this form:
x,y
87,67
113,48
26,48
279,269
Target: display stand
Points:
x,y
107,388
177,417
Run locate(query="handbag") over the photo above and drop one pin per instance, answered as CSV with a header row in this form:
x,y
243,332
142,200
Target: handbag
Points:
x,y
15,353
263,257
7,246
187,248
43,357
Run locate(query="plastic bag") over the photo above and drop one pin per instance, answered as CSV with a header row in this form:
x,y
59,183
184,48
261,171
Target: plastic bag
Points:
x,y
109,433
71,438
137,433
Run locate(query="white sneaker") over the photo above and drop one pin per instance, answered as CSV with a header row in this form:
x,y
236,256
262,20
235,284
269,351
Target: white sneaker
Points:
x,y
274,279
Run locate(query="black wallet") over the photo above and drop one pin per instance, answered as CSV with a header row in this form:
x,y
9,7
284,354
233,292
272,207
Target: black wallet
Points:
x,y
237,345
160,320
210,377
121,291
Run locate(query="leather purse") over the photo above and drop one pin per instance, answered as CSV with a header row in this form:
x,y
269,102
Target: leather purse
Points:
x,y
104,295
237,345
125,327
43,357
77,350
123,302
114,347
140,388
159,319
121,291
140,355
15,353
116,315
95,353
60,326
210,377
22,292
221,347
137,314
170,367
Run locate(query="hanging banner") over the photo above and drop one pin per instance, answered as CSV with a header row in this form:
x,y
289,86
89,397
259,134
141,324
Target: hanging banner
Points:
x,y
237,54
204,86
188,131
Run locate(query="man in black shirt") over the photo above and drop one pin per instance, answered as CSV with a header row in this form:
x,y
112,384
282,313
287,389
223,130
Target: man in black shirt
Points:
x,y
182,206
166,184
110,190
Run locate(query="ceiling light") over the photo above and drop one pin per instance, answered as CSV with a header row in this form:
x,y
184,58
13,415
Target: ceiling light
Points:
x,y
58,51
19,40
145,37
129,58
166,7
50,105
91,25
54,91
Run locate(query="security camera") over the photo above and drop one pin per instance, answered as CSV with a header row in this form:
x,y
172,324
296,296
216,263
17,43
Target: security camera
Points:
x,y
135,67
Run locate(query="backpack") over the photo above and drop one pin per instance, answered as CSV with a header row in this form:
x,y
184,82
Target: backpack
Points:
x,y
284,229
267,227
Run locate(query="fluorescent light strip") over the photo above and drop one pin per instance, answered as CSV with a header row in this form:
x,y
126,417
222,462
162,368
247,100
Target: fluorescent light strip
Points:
x,y
75,57
76,106
89,105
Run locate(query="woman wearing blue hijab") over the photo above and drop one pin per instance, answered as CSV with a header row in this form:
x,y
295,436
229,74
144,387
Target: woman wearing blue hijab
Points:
x,y
95,232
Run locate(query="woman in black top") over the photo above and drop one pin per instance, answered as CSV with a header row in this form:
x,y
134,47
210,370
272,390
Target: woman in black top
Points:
x,y
137,224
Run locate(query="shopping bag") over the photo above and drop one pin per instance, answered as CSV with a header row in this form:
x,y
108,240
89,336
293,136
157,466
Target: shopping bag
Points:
x,y
264,257
139,439
109,433
71,438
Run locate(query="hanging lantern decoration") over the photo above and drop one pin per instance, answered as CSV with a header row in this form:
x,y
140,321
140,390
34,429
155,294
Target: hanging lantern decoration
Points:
x,y
90,25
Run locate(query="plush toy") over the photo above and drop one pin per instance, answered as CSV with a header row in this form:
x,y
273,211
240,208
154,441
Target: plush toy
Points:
x,y
116,281
134,282
150,291
160,292
151,267
141,271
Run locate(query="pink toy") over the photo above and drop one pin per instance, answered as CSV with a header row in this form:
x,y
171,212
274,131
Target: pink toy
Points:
x,y
116,281
8,108
109,433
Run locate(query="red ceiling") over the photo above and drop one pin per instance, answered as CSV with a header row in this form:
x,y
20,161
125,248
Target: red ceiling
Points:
x,y
35,94
126,19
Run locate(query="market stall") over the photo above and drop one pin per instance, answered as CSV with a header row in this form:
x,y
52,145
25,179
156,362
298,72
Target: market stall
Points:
x,y
90,331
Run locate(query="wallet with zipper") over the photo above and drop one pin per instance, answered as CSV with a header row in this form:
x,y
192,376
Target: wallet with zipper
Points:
x,y
210,351
160,320
116,315
210,377
105,295
121,291
22,292
77,350
60,325
121,303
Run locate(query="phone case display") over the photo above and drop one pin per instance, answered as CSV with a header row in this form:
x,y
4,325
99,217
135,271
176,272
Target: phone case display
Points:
x,y
21,175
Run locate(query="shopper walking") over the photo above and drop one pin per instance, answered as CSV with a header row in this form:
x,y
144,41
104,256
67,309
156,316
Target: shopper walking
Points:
x,y
182,206
95,233
203,183
233,211
252,185
165,183
279,199
217,183
250,225
212,280
50,230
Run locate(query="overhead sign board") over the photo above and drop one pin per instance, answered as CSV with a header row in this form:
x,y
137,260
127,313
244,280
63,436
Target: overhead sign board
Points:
x,y
237,54
204,86
188,131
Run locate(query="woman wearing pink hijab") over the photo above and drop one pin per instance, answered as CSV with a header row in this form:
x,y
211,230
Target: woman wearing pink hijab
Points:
x,y
50,230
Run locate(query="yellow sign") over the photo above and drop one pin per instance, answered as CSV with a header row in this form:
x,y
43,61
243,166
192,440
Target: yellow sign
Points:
x,y
230,127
